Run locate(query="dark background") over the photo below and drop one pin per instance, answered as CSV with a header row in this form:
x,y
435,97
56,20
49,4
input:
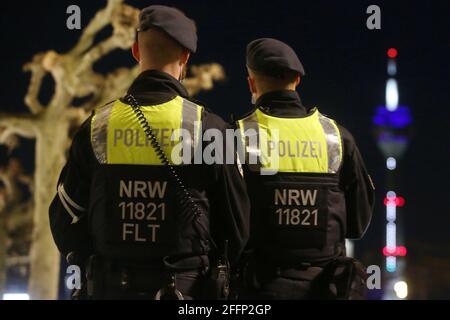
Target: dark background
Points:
x,y
346,74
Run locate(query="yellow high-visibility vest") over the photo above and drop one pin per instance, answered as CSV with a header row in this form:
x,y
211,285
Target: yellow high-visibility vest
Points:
x,y
311,144
118,138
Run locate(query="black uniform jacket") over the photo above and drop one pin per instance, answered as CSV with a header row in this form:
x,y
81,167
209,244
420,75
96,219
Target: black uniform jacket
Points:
x,y
354,182
220,187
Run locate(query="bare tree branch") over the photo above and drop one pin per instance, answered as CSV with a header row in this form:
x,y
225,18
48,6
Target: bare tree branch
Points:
x,y
9,139
124,20
37,75
23,125
19,260
204,77
10,188
77,115
101,20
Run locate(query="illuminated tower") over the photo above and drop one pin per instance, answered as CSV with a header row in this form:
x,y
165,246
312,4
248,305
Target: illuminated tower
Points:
x,y
392,130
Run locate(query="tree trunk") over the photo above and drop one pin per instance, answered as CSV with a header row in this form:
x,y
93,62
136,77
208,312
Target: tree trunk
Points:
x,y
3,240
44,256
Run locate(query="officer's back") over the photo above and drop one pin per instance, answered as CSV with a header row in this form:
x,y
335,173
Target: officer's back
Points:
x,y
120,204
309,189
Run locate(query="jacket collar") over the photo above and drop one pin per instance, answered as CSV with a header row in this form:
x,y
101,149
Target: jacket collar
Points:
x,y
282,103
153,87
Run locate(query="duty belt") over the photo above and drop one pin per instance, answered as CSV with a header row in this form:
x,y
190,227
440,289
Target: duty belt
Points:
x,y
126,276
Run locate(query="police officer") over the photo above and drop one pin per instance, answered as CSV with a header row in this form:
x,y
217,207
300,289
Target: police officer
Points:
x,y
120,205
308,186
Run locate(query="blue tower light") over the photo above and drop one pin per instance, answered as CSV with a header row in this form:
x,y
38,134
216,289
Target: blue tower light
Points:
x,y
391,264
398,119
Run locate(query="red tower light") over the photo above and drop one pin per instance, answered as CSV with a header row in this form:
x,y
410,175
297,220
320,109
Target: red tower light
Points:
x,y
392,53
399,251
400,201
394,201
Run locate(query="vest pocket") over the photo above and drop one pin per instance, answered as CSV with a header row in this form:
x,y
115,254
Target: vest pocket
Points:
x,y
297,214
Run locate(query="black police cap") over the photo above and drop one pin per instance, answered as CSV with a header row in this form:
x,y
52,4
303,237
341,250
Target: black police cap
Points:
x,y
173,22
272,57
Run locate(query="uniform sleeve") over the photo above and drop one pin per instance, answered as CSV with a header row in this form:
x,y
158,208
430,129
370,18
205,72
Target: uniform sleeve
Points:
x,y
68,211
358,187
230,205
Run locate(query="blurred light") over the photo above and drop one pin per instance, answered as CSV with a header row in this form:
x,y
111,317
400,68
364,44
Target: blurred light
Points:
x,y
391,194
16,296
399,140
394,201
391,264
391,95
397,252
401,289
391,163
391,213
401,251
398,119
391,237
349,248
390,201
392,68
400,201
392,53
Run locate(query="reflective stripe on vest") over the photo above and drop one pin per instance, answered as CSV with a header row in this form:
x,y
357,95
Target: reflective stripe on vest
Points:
x,y
117,136
310,145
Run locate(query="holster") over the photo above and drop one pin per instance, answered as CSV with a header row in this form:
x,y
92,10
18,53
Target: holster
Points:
x,y
340,278
112,279
94,278
242,275
219,282
344,278
218,287
149,281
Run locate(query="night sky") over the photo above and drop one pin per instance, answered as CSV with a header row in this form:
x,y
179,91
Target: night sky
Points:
x,y
346,74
